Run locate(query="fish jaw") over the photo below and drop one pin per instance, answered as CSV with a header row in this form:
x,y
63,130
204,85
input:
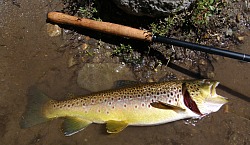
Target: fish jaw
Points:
x,y
214,104
207,100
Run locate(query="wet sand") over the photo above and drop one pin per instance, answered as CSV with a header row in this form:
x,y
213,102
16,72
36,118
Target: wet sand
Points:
x,y
29,57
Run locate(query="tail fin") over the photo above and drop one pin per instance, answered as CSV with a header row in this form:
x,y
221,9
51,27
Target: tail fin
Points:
x,y
33,114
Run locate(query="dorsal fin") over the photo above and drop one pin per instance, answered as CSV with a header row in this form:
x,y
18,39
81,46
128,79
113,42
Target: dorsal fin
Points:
x,y
124,83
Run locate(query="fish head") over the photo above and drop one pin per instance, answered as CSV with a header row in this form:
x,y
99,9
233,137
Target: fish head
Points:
x,y
200,96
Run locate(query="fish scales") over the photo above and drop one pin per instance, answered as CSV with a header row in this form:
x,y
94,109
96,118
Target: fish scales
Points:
x,y
140,105
131,104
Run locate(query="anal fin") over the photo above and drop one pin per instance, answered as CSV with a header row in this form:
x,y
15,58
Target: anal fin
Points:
x,y
72,125
115,126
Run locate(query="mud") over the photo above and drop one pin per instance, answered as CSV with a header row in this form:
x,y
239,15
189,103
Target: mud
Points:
x,y
30,57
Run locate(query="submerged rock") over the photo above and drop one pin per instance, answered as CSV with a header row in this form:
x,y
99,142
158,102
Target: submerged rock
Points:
x,y
53,30
152,8
101,76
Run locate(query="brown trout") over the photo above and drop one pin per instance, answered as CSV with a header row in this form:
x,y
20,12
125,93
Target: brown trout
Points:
x,y
140,105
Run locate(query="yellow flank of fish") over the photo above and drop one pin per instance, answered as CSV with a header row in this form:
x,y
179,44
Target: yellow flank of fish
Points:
x,y
141,105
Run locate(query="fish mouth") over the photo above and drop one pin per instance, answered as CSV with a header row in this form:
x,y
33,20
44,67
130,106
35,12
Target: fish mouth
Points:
x,y
214,102
188,100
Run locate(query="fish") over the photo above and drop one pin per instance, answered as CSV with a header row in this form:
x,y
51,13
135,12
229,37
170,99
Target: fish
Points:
x,y
138,105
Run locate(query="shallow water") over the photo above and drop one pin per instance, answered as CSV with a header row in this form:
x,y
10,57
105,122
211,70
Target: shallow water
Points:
x,y
29,57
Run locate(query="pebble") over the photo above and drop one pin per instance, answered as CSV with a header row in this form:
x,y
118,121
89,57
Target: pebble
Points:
x,y
71,61
53,30
240,38
229,32
84,46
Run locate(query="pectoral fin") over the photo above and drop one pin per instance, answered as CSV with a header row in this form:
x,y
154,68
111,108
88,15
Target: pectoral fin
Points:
x,y
73,125
162,105
115,126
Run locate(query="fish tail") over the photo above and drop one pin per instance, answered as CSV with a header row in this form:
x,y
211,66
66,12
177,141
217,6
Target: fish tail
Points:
x,y
33,114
